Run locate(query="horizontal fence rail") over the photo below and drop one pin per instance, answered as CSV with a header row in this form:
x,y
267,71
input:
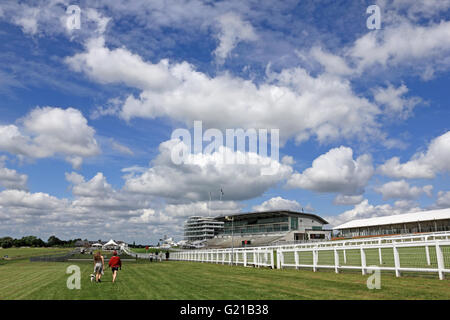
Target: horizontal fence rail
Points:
x,y
415,253
431,256
61,257
252,257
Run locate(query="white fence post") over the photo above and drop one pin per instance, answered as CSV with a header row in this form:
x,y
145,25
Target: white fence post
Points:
x,y
245,258
314,260
272,262
440,261
379,253
278,259
396,260
363,261
296,259
336,261
427,252
345,257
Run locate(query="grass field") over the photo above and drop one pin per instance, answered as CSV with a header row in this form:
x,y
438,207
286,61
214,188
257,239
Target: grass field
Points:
x,y
21,279
23,253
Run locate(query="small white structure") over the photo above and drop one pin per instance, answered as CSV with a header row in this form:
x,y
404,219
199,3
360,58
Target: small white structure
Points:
x,y
110,245
97,245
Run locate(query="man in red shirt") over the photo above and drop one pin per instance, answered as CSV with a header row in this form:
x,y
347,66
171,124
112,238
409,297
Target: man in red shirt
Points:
x,y
115,264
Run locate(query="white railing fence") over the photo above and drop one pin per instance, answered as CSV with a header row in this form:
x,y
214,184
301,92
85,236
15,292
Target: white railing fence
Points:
x,y
430,256
414,253
257,257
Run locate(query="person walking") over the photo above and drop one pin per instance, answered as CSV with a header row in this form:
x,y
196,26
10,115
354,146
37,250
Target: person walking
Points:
x,y
99,264
115,263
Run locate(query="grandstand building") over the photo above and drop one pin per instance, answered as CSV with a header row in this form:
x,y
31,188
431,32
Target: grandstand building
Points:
x,y
417,222
201,228
265,228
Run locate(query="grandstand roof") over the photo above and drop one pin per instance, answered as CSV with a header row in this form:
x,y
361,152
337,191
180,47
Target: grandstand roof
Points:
x,y
262,214
441,214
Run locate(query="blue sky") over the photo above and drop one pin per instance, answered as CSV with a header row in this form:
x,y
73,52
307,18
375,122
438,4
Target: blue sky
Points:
x,y
86,115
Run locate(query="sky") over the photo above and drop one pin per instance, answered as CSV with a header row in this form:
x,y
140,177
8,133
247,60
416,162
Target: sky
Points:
x,y
90,100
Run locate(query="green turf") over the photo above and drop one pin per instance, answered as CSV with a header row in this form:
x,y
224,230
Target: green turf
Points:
x,y
24,253
175,280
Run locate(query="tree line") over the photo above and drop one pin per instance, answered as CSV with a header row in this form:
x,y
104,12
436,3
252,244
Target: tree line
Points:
x,y
32,241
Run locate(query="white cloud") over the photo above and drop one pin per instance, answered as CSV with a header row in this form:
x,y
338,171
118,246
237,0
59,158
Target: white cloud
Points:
x,y
278,203
27,18
333,64
232,31
324,106
48,131
204,208
204,173
26,200
346,200
402,190
423,164
11,179
121,148
50,17
417,9
443,200
335,171
364,210
401,44
395,105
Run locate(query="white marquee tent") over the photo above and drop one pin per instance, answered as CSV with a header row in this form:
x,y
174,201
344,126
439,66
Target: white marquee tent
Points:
x,y
110,245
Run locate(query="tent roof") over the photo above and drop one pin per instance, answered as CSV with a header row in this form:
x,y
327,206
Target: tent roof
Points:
x,y
398,219
111,243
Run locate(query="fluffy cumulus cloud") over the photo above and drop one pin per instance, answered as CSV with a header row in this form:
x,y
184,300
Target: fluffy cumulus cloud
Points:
x,y
402,190
395,105
278,203
401,44
50,131
424,165
200,174
335,171
443,200
232,30
100,209
11,179
300,104
364,210
17,204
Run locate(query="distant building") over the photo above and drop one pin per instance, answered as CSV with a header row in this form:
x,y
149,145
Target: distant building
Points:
x,y
416,222
201,228
82,243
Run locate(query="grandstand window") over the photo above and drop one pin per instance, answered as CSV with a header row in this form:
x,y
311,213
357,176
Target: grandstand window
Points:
x,y
294,223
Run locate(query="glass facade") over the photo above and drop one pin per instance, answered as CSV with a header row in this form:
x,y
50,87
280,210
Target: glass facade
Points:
x,y
257,225
405,228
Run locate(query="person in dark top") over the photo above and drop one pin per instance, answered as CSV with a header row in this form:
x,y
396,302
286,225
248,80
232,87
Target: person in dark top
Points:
x,y
115,263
